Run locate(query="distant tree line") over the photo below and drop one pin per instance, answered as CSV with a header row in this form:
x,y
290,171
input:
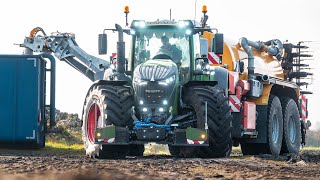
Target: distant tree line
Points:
x,y
66,119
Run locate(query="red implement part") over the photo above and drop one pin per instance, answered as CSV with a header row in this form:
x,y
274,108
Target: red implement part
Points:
x,y
304,110
233,79
244,85
234,102
239,91
249,116
113,55
213,58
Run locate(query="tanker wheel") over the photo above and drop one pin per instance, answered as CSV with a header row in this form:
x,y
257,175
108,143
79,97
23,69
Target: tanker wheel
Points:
x,y
275,126
274,132
291,126
106,105
219,121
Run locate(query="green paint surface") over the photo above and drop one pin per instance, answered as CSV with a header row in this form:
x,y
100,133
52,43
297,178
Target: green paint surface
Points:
x,y
195,134
106,132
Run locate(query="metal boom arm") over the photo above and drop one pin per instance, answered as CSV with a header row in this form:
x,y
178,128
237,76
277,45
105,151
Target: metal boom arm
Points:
x,y
65,48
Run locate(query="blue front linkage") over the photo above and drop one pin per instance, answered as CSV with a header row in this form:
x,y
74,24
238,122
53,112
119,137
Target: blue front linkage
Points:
x,y
146,124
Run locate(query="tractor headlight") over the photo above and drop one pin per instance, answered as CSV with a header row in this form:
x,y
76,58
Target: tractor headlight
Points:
x,y
165,102
140,24
188,31
167,81
183,24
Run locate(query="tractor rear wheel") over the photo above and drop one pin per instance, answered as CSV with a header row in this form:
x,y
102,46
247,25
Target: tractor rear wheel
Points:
x,y
106,105
218,119
291,126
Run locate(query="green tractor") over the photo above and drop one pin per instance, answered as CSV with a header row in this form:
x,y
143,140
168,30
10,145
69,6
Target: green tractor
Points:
x,y
158,95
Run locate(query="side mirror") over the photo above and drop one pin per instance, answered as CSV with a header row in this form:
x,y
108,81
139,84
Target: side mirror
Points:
x,y
102,44
218,44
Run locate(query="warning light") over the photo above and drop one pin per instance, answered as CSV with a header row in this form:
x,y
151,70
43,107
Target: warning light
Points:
x,y
126,9
203,136
98,134
204,9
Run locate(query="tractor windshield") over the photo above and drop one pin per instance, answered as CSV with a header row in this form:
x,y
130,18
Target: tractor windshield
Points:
x,y
161,43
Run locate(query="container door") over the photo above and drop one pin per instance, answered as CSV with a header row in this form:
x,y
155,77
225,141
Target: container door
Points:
x,y
19,100
28,93
7,99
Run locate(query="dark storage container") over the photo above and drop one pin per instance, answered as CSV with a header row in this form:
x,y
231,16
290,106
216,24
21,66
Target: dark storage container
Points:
x,y
22,100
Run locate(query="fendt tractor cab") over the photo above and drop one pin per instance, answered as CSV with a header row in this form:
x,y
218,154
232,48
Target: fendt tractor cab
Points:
x,y
185,86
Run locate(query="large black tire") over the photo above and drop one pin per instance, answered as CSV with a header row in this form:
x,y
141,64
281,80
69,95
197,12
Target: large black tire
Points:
x,y
219,120
274,132
275,126
291,126
106,105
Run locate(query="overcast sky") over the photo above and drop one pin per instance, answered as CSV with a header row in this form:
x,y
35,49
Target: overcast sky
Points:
x,y
291,20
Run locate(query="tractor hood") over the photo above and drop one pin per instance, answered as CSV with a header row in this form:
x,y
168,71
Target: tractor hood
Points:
x,y
156,70
155,83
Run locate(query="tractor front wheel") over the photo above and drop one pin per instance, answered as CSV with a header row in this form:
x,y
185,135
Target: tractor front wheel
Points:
x,y
217,113
106,105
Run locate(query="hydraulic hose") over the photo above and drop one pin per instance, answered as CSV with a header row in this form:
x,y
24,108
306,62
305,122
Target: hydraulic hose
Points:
x,y
273,47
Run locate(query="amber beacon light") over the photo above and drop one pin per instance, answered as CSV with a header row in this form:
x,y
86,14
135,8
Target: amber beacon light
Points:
x,y
126,9
204,9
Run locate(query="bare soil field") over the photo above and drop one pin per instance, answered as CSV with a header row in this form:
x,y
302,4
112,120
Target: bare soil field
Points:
x,y
48,165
